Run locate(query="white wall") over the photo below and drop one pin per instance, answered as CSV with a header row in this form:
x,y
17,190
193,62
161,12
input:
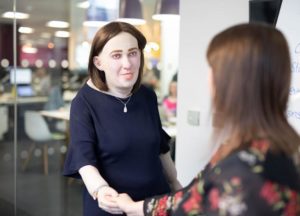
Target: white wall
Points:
x,y
288,23
169,53
199,21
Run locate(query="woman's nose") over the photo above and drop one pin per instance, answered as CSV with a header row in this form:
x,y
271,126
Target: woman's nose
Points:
x,y
126,62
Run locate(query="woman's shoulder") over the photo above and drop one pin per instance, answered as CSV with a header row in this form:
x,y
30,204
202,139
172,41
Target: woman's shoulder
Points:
x,y
80,94
84,98
146,90
260,164
147,93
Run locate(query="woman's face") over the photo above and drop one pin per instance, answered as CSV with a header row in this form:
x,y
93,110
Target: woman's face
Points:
x,y
120,61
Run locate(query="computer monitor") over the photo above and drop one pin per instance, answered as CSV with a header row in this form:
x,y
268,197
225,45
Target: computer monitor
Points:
x,y
25,91
20,76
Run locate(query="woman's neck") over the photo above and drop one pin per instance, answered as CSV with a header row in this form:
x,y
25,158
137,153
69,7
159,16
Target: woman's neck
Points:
x,y
120,93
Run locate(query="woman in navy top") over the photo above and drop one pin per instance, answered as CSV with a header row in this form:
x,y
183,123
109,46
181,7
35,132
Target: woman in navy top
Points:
x,y
117,144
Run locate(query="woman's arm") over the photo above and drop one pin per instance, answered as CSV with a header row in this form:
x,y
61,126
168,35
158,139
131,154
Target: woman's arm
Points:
x,y
99,189
170,171
157,205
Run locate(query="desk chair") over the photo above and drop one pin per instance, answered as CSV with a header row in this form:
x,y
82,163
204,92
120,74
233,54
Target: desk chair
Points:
x,y
38,131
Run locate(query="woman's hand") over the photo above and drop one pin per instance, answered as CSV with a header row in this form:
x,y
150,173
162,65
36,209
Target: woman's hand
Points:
x,y
105,197
130,207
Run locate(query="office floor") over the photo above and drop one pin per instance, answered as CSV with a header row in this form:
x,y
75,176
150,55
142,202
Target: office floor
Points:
x,y
37,194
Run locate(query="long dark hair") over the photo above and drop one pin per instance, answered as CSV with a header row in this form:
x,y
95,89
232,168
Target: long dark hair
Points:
x,y
103,35
251,77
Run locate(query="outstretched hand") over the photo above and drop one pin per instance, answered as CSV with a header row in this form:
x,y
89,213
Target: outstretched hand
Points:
x,y
106,200
130,207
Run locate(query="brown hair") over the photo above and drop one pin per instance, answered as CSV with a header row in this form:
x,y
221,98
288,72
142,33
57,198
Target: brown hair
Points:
x,y
103,35
251,76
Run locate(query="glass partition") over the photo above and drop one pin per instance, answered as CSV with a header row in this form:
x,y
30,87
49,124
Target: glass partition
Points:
x,y
8,122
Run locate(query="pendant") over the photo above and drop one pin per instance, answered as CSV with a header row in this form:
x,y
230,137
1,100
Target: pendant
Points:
x,y
125,109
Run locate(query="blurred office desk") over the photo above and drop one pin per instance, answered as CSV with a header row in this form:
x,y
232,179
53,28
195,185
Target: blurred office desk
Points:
x,y
61,114
9,100
170,126
23,104
171,130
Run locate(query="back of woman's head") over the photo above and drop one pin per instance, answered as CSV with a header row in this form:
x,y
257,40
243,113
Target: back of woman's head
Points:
x,y
251,78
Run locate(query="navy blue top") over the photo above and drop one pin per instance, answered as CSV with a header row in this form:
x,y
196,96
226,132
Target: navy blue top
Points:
x,y
125,147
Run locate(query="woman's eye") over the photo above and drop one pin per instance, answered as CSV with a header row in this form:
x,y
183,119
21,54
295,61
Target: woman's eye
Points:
x,y
116,56
134,53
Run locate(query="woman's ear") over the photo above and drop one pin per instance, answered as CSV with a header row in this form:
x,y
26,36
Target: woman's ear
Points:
x,y
97,63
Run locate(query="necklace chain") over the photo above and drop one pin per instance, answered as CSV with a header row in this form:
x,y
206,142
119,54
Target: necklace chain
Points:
x,y
124,103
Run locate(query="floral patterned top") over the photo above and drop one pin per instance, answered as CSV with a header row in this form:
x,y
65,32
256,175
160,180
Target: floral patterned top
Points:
x,y
251,181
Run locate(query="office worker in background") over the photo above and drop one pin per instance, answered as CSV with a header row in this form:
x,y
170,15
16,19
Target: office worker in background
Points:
x,y
252,172
169,103
42,82
117,143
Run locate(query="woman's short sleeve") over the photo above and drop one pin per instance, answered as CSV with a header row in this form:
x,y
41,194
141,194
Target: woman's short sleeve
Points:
x,y
164,137
81,150
165,142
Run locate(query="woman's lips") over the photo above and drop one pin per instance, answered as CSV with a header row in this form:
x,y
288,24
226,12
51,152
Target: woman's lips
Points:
x,y
128,76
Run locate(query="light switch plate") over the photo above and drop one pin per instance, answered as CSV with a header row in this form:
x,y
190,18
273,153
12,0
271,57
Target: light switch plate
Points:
x,y
193,117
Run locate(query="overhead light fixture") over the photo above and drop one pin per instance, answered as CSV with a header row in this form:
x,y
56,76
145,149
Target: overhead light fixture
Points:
x,y
57,24
166,9
29,49
15,15
25,30
130,11
62,34
94,23
83,4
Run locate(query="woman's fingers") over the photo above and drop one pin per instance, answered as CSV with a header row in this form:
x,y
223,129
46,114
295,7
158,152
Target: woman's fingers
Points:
x,y
109,205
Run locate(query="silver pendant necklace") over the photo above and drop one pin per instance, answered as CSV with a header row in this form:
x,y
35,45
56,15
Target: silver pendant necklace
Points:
x,y
124,103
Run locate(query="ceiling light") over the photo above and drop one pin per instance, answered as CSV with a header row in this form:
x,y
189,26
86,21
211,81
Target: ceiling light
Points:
x,y
4,63
50,45
62,34
29,49
57,24
84,4
93,23
25,30
13,15
132,21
